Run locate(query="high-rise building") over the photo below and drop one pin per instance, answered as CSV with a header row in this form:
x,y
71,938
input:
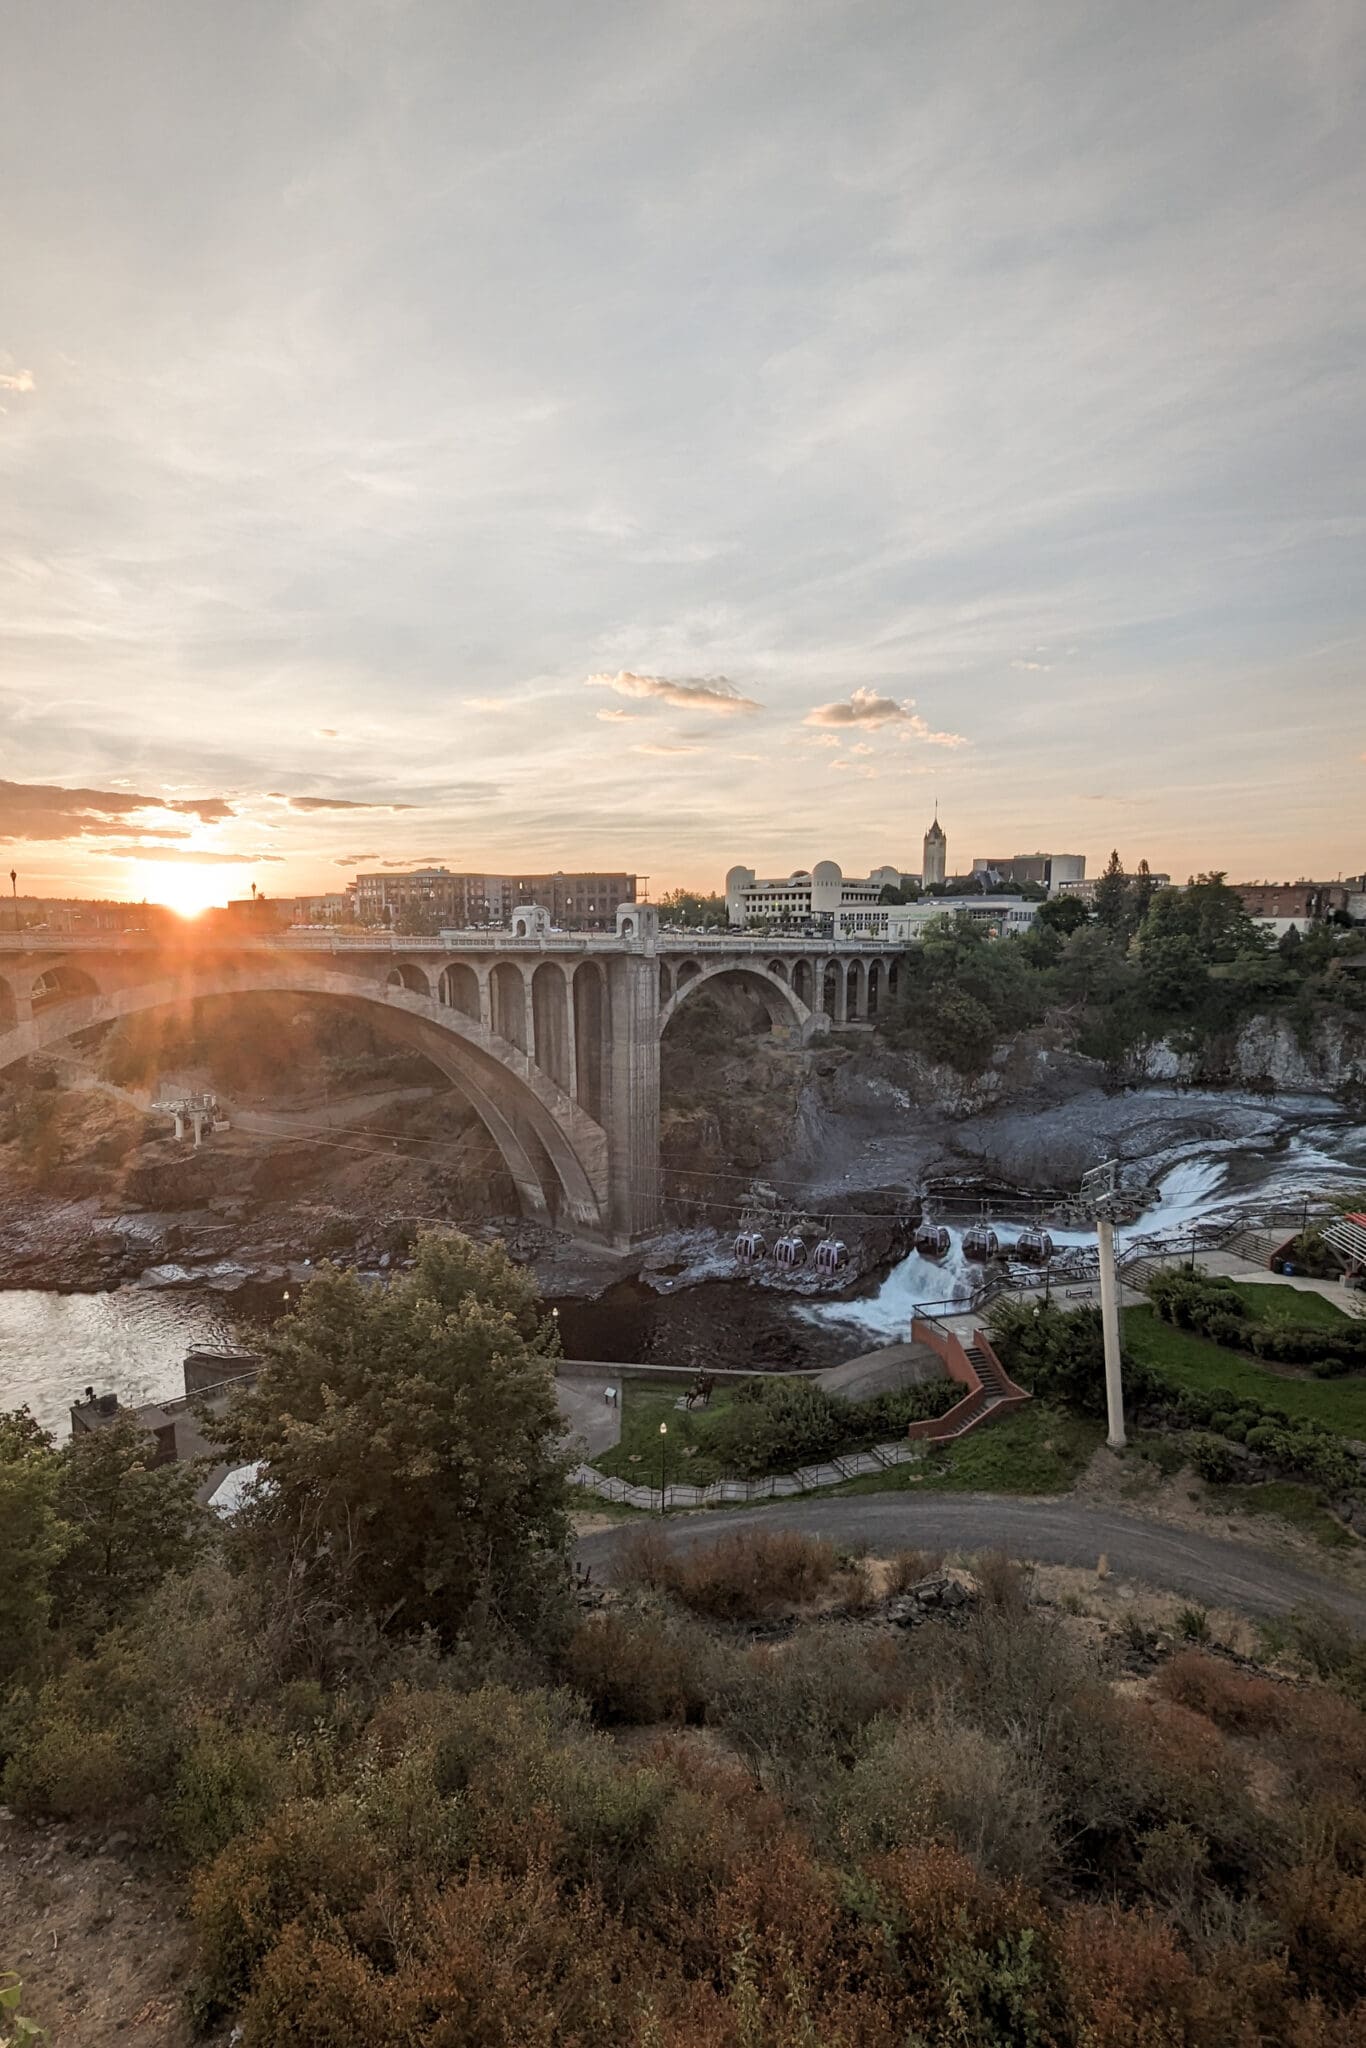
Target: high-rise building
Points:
x,y
579,902
936,855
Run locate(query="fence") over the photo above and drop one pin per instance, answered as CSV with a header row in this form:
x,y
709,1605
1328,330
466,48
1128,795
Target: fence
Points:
x,y
736,1492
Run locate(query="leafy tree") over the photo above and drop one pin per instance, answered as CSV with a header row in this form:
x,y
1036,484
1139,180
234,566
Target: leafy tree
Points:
x,y
410,1440
1112,897
1141,893
692,907
131,1520
1062,914
32,1538
417,921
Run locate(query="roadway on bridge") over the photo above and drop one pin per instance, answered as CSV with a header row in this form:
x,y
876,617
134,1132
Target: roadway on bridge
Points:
x,y
1200,1568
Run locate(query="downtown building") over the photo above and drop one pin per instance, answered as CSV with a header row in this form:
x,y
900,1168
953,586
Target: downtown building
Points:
x,y
465,902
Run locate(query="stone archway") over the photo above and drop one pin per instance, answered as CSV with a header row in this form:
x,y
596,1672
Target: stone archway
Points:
x,y
785,1011
555,1150
459,989
63,982
407,974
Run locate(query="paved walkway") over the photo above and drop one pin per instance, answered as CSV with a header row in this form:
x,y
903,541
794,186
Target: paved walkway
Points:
x,y
1204,1569
594,1423
886,1370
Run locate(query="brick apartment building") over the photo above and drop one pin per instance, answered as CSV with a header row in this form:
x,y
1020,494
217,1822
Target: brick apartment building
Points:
x,y
458,902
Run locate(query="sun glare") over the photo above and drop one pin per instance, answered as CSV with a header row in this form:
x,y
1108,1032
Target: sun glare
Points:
x,y
186,890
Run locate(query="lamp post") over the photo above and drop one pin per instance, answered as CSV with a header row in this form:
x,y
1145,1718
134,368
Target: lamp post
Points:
x,y
663,1445
14,894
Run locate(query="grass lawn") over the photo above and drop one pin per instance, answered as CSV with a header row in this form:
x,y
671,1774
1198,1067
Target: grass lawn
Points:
x,y
1190,1361
1272,1304
689,1460
1038,1449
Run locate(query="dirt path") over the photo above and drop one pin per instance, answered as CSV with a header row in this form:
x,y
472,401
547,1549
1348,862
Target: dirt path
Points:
x,y
1202,1568
102,1951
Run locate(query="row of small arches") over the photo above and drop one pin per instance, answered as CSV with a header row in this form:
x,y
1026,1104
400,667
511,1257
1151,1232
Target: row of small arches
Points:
x,y
848,991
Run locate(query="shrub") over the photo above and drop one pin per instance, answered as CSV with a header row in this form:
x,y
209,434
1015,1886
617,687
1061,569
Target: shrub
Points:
x,y
1213,1460
740,1577
920,1781
638,1669
311,1861
1232,1699
802,1706
908,1567
226,1781
779,1422
1193,1623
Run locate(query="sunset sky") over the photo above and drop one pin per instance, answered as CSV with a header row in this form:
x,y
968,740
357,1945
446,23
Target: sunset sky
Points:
x,y
669,435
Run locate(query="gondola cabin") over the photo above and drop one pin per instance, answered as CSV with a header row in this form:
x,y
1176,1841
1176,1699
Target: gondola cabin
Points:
x,y
790,1251
750,1247
1036,1246
980,1243
932,1241
832,1255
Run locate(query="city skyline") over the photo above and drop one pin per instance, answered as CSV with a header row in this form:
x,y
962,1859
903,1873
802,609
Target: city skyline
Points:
x,y
665,439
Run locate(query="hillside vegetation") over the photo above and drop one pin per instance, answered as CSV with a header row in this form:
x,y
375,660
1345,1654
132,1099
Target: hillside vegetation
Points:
x,y
421,1795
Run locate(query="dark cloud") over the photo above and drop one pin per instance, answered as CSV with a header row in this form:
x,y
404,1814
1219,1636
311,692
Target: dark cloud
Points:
x,y
686,693
44,810
344,803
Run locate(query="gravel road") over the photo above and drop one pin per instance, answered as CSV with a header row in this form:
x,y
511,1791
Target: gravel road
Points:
x,y
1201,1568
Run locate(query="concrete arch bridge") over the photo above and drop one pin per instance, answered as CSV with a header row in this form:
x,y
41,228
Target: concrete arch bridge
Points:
x,y
552,1037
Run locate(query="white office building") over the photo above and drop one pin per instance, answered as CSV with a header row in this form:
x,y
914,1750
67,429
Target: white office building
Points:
x,y
903,923
819,895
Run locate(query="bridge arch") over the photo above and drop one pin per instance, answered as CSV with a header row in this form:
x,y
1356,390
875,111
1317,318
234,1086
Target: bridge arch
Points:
x,y
555,1151
786,1012
407,974
458,989
61,982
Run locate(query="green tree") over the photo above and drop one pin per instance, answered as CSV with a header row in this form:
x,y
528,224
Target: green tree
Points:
x,y
417,921
1063,914
131,1521
1112,897
410,1439
1141,893
692,907
33,1538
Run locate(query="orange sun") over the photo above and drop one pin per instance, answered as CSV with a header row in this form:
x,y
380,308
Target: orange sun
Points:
x,y
185,889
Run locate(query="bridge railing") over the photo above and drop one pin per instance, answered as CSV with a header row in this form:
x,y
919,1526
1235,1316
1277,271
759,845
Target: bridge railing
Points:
x,y
475,941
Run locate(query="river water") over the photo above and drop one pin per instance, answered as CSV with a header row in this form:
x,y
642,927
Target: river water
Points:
x,y
132,1342
1208,1181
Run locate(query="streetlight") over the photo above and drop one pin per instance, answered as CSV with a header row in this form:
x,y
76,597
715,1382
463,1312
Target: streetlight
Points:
x,y
663,1436
14,894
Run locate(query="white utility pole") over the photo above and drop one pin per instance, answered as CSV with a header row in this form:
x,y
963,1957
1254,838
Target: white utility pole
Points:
x,y
1098,1190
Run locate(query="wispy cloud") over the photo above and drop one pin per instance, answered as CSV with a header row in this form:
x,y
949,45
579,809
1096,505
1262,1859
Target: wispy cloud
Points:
x,y
865,708
17,380
667,747
200,856
686,693
612,715
345,803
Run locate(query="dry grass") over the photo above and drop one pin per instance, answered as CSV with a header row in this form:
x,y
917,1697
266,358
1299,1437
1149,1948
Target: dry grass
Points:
x,y
743,1576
